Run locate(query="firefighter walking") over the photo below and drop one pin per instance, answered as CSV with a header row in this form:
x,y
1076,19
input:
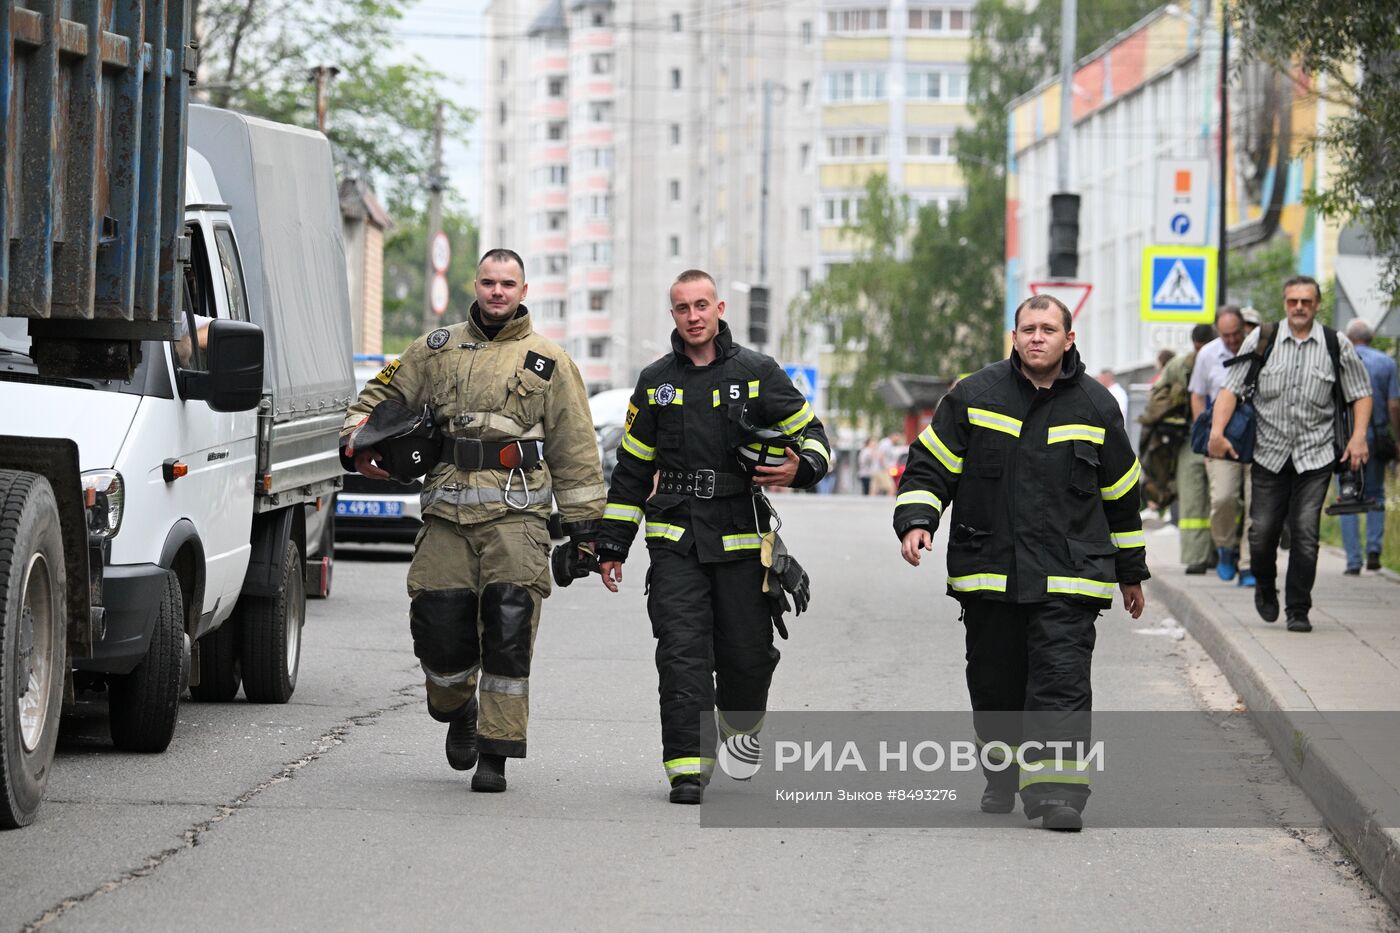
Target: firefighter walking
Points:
x,y
515,434
1034,461
712,424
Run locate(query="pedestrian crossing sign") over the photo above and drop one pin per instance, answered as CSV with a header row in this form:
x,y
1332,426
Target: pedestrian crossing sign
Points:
x,y
804,379
1178,284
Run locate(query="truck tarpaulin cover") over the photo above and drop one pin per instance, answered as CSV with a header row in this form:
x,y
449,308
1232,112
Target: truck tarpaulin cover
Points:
x,y
280,187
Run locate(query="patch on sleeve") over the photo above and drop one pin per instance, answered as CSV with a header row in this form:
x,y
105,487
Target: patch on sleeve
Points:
x,y
541,366
438,338
631,416
387,373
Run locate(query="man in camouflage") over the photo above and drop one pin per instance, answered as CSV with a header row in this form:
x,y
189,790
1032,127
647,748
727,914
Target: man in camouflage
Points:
x,y
517,435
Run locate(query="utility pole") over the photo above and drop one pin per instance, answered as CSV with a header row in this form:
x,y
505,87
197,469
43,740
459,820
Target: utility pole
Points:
x,y
1064,206
1223,254
758,293
323,75
436,184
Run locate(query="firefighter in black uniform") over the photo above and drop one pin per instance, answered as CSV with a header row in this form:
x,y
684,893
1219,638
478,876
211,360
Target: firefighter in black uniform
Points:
x,y
1034,459
705,523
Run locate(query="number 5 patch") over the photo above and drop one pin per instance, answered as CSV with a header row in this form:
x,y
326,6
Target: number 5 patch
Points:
x,y
541,366
387,373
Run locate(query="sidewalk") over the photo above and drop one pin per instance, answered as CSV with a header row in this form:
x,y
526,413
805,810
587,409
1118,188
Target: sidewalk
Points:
x,y
1349,765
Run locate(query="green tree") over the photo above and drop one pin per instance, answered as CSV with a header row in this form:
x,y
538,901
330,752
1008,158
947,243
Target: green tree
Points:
x,y
256,56
1257,274
1352,50
405,258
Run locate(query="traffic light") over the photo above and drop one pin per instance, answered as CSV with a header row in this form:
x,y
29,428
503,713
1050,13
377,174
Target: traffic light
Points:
x,y
1064,236
758,314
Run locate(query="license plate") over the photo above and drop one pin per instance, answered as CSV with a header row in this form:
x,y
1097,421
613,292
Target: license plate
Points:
x,y
368,508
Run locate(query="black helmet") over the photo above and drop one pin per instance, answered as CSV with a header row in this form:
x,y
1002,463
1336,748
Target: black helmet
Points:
x,y
408,442
755,447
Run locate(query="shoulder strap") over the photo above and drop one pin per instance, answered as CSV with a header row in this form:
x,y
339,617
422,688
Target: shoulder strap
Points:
x,y
1262,349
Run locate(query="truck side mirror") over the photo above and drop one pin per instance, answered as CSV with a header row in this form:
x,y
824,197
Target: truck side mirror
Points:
x,y
234,379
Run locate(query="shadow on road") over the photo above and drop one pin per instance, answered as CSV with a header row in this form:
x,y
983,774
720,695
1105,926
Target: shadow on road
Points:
x,y
382,554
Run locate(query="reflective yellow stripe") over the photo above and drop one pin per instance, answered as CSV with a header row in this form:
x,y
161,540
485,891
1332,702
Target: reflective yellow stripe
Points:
x,y
918,497
678,400
623,513
726,730
979,581
1125,539
1079,586
637,449
1120,489
797,421
1192,524
663,530
679,766
742,542
940,450
994,421
753,389
1046,771
776,451
811,443
1074,432
716,405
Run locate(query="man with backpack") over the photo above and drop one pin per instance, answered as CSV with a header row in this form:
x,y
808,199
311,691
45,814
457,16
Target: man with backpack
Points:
x,y
1298,376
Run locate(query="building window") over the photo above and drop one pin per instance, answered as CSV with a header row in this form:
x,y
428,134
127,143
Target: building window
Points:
x,y
959,20
855,147
597,348
925,20
598,158
600,111
556,264
842,209
804,218
806,93
599,19
804,278
806,32
593,206
845,86
674,246
597,253
554,87
675,79
556,130
500,152
551,175
601,63
849,21
597,301
673,187
675,134
804,156
505,69
550,310
937,85
501,113
929,146
675,22
501,196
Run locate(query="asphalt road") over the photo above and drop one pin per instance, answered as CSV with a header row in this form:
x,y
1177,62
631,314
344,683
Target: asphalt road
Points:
x,y
337,811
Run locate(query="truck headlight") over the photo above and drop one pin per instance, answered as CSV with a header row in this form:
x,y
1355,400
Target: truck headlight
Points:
x,y
105,495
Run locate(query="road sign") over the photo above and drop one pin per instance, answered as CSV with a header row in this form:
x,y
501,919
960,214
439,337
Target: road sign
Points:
x,y
441,253
1178,284
1183,202
438,293
1072,295
804,379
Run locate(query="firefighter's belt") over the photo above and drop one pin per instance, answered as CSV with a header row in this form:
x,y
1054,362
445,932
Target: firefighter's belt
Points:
x,y
702,484
466,453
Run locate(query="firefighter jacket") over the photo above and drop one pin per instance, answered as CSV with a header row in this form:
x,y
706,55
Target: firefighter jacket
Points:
x,y
679,425
516,387
1042,483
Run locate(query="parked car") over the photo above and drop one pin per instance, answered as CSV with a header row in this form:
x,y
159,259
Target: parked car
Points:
x,y
370,511
901,460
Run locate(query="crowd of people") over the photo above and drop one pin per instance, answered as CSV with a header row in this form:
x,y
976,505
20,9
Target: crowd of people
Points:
x,y
1299,381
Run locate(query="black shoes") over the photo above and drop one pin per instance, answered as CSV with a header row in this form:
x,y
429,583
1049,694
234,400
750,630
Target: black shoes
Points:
x,y
1352,571
1195,570
461,741
490,776
1373,560
1062,819
687,789
1266,602
998,801
1298,622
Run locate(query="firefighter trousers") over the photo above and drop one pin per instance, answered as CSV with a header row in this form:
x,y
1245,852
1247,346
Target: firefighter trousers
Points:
x,y
714,647
475,594
1193,494
1028,675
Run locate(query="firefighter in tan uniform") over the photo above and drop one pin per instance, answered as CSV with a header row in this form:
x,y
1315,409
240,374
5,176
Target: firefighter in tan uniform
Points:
x,y
517,434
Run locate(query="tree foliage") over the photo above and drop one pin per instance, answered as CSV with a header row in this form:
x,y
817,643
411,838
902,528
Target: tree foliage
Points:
x,y
404,276
1354,48
256,56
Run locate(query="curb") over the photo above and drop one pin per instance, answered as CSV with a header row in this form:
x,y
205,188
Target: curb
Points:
x,y
1319,760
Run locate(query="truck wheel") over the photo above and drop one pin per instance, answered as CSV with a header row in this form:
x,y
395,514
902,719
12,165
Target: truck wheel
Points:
x,y
219,676
145,704
33,641
271,630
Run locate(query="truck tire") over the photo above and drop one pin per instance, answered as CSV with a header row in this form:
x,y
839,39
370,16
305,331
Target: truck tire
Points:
x,y
271,634
219,675
33,641
145,705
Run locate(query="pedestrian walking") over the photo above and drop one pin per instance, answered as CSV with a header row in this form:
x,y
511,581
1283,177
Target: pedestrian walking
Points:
x,y
1380,440
1168,460
713,424
1306,374
515,434
1034,460
867,462
1228,480
1120,395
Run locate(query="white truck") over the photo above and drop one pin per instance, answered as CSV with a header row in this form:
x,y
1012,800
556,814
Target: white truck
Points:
x,y
167,428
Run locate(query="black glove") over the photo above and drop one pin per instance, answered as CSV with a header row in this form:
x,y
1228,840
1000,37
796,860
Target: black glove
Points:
x,y
793,579
572,561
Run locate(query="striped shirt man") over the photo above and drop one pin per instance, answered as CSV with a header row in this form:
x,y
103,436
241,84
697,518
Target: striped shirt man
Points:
x,y
1293,399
